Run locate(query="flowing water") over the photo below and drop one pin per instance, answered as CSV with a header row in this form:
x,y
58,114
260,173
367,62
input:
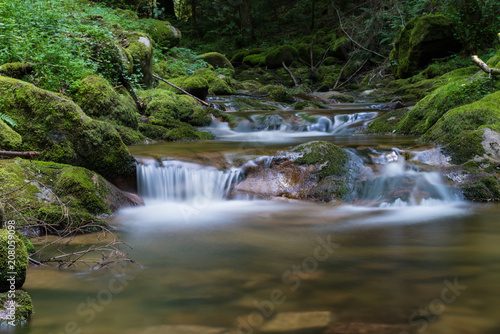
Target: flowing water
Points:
x,y
408,251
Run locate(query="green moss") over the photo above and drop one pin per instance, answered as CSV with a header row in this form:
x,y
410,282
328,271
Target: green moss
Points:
x,y
330,157
194,85
163,33
99,99
154,132
457,92
15,70
129,136
486,190
9,139
57,128
19,264
140,47
168,109
219,84
245,104
187,134
387,122
474,116
465,146
23,308
283,54
217,60
277,93
422,39
128,14
253,60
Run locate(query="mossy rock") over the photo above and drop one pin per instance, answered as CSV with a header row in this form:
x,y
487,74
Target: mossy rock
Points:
x,y
462,127
100,100
14,250
337,170
253,60
283,54
387,123
249,104
187,134
194,85
9,139
56,127
128,14
218,84
421,40
461,89
163,69
485,190
140,46
277,93
15,70
170,110
129,136
217,60
327,76
153,132
163,33
23,306
86,195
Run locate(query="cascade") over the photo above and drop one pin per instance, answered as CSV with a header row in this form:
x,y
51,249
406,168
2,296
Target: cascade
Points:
x,y
178,181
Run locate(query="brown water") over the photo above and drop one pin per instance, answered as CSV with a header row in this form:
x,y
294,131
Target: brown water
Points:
x,y
217,264
432,267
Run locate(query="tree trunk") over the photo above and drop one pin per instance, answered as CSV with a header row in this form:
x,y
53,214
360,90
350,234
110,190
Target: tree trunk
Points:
x,y
246,23
168,5
193,17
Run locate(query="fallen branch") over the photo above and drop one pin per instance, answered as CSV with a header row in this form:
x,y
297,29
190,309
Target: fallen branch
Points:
x,y
483,66
291,74
182,90
341,72
14,154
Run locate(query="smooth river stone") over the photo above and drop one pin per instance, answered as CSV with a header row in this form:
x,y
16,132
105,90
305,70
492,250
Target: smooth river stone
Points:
x,y
182,329
299,323
364,328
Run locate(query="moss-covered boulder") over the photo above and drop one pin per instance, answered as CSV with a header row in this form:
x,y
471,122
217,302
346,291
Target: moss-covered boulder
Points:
x,y
461,88
153,132
283,54
56,127
277,93
163,33
58,194
13,259
20,305
387,123
217,60
463,127
337,170
194,85
253,60
421,40
170,110
140,46
129,136
15,70
9,139
100,100
218,84
485,190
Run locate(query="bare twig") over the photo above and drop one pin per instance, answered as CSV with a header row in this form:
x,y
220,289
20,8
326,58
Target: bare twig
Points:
x,y
182,90
341,71
291,74
483,66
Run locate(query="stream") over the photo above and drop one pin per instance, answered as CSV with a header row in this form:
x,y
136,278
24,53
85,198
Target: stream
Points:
x,y
212,257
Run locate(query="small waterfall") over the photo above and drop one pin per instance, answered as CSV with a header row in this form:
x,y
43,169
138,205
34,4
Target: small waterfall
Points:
x,y
399,185
177,181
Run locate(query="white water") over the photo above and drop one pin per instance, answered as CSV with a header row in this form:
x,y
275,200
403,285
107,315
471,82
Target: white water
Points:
x,y
175,181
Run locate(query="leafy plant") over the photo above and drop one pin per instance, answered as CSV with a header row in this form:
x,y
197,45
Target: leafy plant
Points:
x,y
7,119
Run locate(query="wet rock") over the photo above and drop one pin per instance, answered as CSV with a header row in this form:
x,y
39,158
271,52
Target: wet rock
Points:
x,y
364,328
298,323
23,308
396,103
181,329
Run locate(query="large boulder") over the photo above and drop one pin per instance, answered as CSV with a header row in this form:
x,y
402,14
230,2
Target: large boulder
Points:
x,y
217,60
163,33
13,258
140,46
9,139
99,99
55,126
86,194
194,85
421,40
283,54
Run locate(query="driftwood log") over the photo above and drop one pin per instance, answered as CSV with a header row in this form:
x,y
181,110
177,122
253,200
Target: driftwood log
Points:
x,y
182,90
482,65
13,154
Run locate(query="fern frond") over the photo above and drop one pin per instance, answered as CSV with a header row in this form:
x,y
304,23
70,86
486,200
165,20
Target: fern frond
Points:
x,y
7,119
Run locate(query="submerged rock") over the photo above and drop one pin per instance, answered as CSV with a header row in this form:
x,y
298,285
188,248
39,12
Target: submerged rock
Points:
x,y
298,323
